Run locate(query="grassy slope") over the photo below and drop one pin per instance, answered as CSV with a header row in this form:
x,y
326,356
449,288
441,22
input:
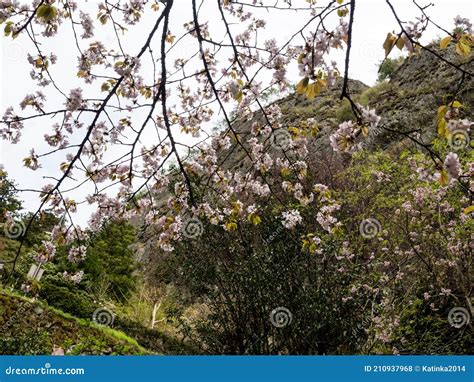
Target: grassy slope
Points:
x,y
32,327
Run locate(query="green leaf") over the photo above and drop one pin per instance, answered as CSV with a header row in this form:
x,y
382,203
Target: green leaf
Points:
x,y
8,28
46,12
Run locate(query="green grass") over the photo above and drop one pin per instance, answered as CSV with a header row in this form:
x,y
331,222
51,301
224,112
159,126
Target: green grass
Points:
x,y
85,335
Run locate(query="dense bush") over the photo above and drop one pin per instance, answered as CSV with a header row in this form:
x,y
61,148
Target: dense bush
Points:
x,y
75,302
242,280
389,290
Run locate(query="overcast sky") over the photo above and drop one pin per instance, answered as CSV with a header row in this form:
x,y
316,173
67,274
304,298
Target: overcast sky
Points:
x,y
373,20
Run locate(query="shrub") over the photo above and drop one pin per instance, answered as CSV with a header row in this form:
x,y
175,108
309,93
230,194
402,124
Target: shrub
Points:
x,y
248,285
77,302
388,67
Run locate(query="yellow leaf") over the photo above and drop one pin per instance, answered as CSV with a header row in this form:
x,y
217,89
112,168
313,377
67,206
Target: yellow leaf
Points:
x,y
444,178
442,110
254,219
239,96
400,43
302,85
468,210
313,90
463,49
285,172
103,19
445,42
442,127
342,12
64,166
38,62
455,104
231,226
389,43
170,38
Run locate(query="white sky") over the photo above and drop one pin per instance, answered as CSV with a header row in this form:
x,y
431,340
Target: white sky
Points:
x,y
373,20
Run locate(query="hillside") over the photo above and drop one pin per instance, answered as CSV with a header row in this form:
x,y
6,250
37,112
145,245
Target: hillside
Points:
x,y
31,327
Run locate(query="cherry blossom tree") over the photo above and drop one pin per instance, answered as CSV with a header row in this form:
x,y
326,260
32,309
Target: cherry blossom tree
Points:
x,y
135,135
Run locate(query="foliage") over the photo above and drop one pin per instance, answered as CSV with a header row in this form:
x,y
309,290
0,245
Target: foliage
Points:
x,y
110,262
242,279
349,294
388,67
75,302
32,328
9,201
